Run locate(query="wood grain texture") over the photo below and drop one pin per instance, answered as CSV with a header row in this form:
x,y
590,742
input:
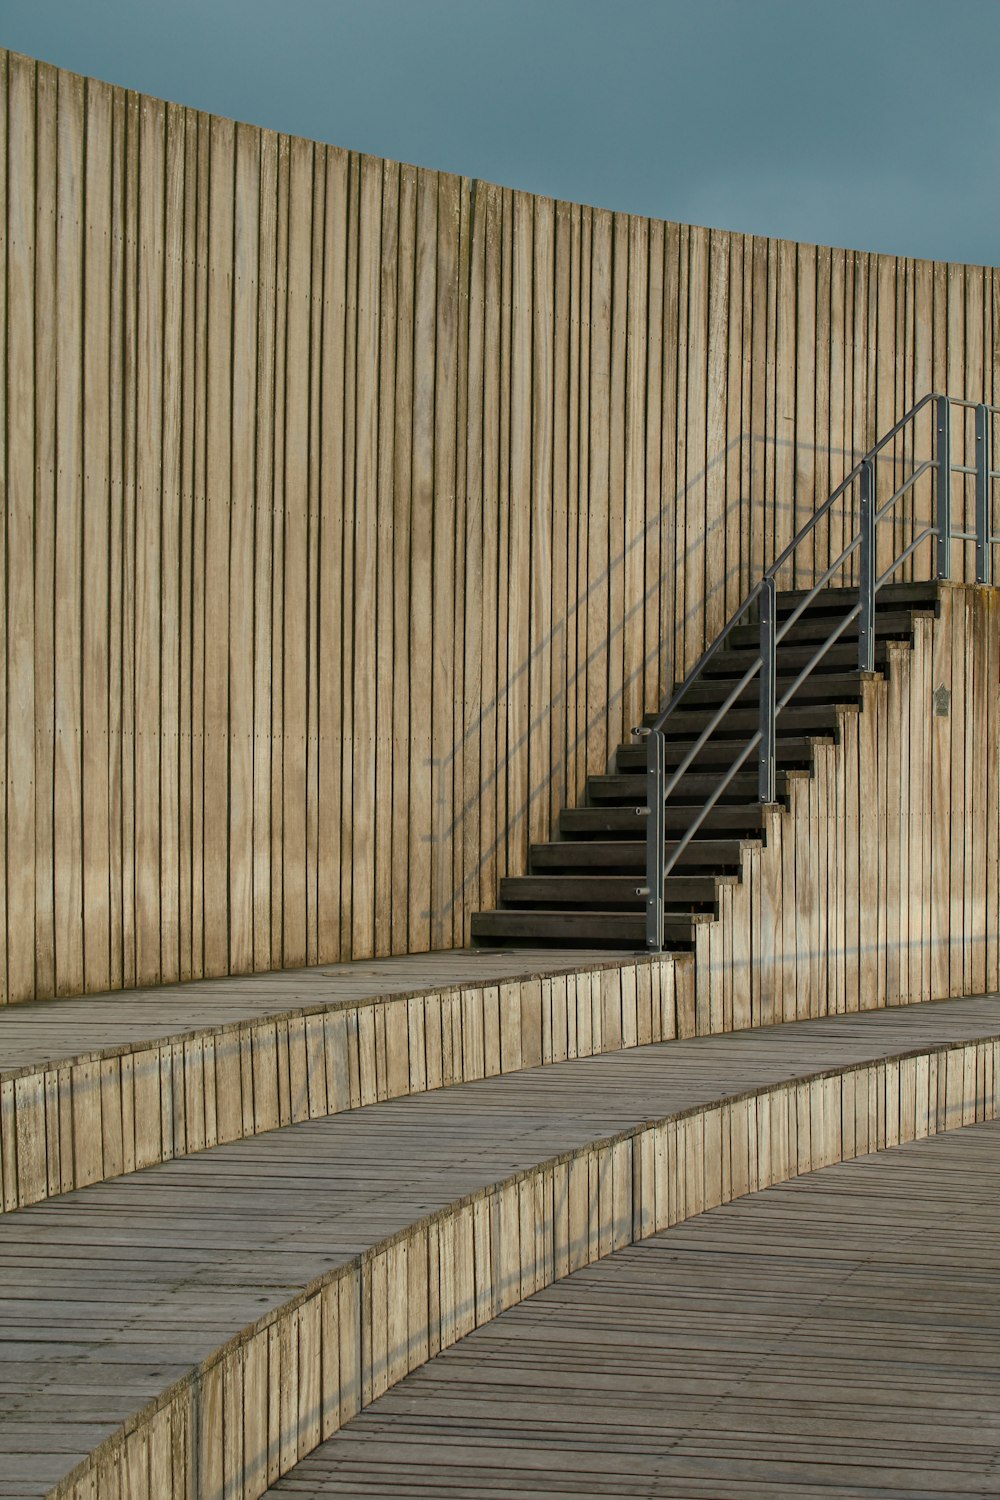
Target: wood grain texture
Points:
x,y
655,1371
147,1097
875,885
355,512
360,1326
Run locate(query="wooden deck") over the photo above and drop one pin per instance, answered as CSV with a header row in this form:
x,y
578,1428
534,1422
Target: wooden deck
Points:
x,y
835,1335
46,1031
109,1294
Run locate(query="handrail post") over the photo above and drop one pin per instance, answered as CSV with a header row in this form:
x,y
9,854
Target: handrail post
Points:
x,y
655,837
984,549
866,629
768,691
942,408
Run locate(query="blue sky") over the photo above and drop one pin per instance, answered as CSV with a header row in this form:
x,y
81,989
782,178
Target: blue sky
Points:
x,y
868,123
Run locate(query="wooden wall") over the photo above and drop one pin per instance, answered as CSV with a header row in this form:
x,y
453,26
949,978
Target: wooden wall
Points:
x,y
353,513
879,884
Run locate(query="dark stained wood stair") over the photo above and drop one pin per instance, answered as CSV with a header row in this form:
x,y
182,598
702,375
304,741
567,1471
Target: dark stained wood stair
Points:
x,y
586,886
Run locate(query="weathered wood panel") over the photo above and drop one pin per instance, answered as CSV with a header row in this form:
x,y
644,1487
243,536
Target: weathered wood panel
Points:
x,y
877,884
354,512
128,1106
268,1397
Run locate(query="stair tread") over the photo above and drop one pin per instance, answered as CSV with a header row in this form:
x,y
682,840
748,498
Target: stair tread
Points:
x,y
598,889
617,927
631,853
685,723
792,751
828,688
816,627
889,594
733,661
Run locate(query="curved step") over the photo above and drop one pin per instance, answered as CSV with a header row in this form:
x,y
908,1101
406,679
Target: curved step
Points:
x,y
864,1366
279,1331
170,1072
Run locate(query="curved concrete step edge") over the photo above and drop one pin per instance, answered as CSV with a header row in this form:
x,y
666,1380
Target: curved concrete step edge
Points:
x,y
81,1120
270,1395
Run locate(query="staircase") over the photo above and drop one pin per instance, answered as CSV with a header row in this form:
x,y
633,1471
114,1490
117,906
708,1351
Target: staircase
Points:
x,y
640,862
588,886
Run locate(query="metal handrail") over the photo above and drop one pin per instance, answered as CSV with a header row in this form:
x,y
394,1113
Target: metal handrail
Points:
x,y
764,666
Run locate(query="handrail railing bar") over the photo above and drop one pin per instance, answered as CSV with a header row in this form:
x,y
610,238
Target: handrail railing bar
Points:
x,y
956,401
712,725
847,481
817,658
833,568
961,401
706,657
962,536
963,468
906,418
707,808
918,541
928,463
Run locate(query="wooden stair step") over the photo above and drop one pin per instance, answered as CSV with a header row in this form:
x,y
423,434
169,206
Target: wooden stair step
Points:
x,y
614,929
599,892
829,600
889,625
741,721
693,790
827,688
792,752
721,856
583,824
839,659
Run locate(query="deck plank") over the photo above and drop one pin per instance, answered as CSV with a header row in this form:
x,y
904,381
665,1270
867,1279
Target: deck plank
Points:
x,y
110,1293
832,1335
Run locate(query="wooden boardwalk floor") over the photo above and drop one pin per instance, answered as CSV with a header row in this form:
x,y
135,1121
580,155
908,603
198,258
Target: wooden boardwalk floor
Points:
x,y
834,1336
47,1030
110,1293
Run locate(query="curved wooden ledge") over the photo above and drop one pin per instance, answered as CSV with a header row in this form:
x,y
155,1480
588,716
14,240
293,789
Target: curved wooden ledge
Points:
x,y
269,1396
86,1119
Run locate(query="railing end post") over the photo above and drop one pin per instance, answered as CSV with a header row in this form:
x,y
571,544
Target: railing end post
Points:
x,y
942,422
984,495
866,627
655,838
766,777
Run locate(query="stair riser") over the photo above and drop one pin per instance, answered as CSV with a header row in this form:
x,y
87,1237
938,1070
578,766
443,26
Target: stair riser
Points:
x,y
741,722
896,596
693,791
815,691
730,665
599,893
592,858
790,753
592,929
817,628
